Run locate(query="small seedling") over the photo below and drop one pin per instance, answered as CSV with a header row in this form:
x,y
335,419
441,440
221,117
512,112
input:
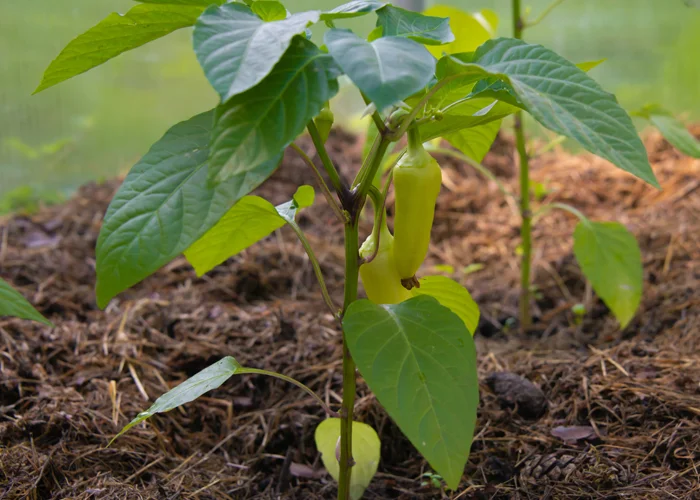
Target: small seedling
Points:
x,y
423,77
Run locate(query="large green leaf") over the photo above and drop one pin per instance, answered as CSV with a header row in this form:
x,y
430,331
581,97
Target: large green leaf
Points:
x,y
419,360
365,452
672,129
387,70
237,49
355,8
164,205
255,126
249,221
451,295
566,100
469,30
206,380
429,30
115,34
475,142
13,304
611,260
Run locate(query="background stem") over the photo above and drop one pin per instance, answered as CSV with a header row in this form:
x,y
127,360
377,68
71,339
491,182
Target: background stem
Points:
x,y
525,212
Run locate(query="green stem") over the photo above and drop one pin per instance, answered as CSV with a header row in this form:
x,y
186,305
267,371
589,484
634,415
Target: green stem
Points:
x,y
319,178
525,213
547,11
378,122
317,269
371,169
328,165
352,256
562,206
291,381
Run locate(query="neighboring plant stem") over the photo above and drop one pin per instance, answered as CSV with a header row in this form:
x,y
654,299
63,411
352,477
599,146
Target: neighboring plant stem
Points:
x,y
525,212
548,10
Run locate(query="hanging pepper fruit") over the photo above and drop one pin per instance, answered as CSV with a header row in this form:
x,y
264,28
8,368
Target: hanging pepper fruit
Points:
x,y
324,122
417,180
379,276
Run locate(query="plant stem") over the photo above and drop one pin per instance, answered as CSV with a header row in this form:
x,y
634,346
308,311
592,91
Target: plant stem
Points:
x,y
319,178
548,10
291,381
376,117
525,213
332,172
351,278
562,206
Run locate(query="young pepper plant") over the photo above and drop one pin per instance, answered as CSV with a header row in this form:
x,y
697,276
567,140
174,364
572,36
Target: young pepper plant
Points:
x,y
190,193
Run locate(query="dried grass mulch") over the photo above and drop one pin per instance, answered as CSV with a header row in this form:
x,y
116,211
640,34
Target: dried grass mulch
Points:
x,y
622,409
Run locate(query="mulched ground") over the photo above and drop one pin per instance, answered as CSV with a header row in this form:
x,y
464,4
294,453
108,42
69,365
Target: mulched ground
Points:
x,y
618,415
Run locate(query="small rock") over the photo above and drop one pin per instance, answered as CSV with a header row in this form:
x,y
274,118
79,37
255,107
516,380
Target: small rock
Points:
x,y
574,433
516,392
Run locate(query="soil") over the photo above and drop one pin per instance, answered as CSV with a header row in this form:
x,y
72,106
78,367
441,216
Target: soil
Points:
x,y
567,411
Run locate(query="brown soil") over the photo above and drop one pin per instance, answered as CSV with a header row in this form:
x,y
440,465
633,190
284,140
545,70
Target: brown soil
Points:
x,y
633,395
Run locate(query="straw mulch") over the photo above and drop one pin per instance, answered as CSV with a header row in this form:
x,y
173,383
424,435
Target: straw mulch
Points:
x,y
603,413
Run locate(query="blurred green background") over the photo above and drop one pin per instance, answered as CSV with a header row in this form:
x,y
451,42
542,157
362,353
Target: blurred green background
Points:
x,y
98,124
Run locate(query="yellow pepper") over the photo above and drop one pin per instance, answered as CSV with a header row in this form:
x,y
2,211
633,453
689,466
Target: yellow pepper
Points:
x,y
417,180
379,276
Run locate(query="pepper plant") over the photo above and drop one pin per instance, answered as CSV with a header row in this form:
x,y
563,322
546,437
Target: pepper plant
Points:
x,y
412,339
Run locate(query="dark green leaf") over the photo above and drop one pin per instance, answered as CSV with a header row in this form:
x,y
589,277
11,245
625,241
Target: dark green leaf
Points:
x,y
365,453
269,10
13,304
254,127
672,130
199,384
247,222
423,29
164,205
566,100
355,8
419,360
387,70
237,49
611,260
116,34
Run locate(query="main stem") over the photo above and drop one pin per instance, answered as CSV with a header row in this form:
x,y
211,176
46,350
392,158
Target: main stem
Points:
x,y
351,279
525,212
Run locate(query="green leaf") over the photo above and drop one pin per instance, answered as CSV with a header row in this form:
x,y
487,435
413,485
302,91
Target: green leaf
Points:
x,y
247,222
201,3
237,49
475,142
611,260
12,303
469,30
355,8
423,29
255,126
199,384
452,295
269,10
419,360
566,100
164,205
589,65
672,130
365,452
115,34
387,70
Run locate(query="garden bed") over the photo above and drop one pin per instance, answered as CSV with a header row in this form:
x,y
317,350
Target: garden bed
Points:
x,y
634,395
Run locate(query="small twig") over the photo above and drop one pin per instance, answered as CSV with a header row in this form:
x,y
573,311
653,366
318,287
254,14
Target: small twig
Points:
x,y
547,11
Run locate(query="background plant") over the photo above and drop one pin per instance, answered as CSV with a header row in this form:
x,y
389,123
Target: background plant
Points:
x,y
190,193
